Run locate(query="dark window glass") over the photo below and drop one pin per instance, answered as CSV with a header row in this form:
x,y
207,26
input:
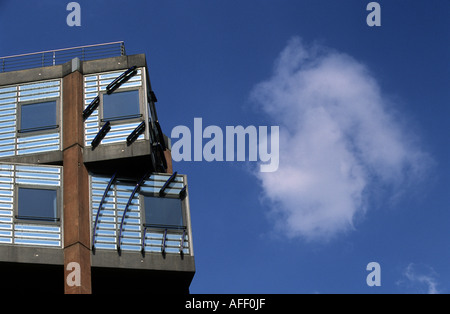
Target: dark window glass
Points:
x,y
123,105
37,204
163,211
38,116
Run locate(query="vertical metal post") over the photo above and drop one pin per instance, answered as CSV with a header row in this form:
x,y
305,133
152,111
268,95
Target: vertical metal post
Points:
x,y
163,246
182,241
54,58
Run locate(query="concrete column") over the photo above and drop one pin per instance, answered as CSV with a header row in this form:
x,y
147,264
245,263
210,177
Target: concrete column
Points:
x,y
77,254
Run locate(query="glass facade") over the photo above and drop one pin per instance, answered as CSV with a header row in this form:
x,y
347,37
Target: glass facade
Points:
x,y
121,105
38,116
164,212
37,204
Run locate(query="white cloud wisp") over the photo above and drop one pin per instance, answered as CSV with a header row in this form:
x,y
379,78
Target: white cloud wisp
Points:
x,y
338,136
420,279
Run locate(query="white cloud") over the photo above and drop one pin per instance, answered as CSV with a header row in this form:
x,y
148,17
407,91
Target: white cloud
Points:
x,y
338,136
420,278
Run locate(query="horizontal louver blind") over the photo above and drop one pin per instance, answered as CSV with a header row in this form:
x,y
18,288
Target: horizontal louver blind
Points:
x,y
10,98
30,234
93,85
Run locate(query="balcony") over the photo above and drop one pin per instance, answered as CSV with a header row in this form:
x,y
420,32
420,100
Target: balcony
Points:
x,y
136,224
141,221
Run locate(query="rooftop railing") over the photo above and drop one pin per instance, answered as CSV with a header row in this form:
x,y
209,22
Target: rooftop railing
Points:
x,y
60,56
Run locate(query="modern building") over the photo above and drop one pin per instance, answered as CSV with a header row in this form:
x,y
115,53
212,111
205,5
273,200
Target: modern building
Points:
x,y
89,202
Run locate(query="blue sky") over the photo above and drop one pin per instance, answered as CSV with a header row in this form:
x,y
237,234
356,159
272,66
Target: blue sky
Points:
x,y
363,115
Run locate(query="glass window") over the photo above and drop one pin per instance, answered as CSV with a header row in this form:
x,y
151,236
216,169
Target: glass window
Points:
x,y
37,204
121,105
165,212
38,116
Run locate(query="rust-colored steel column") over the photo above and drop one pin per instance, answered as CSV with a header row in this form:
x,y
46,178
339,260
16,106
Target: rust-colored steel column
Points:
x,y
77,253
168,155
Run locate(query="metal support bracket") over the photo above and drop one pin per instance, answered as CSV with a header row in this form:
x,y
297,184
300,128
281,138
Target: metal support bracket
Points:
x,y
101,134
91,107
125,76
166,185
136,133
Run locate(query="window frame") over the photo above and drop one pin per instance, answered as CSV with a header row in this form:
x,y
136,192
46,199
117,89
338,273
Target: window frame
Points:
x,y
59,204
57,127
141,114
183,226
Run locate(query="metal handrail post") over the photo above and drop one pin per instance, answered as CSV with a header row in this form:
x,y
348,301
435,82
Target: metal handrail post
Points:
x,y
163,245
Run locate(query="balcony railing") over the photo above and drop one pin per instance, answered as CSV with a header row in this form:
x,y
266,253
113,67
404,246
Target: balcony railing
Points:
x,y
60,56
118,215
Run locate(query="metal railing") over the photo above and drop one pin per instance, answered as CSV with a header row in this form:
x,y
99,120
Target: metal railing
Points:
x,y
60,56
136,188
119,224
113,178
174,243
